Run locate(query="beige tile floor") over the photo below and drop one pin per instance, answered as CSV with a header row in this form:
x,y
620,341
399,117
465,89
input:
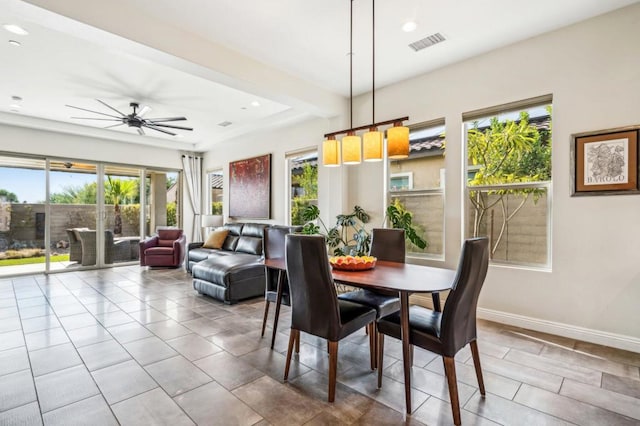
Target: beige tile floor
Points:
x,y
136,346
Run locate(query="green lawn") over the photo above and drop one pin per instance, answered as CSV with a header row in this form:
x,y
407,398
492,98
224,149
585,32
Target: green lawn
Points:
x,y
28,260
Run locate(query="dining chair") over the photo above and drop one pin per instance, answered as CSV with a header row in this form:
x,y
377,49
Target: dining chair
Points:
x,y
446,332
387,245
273,248
315,307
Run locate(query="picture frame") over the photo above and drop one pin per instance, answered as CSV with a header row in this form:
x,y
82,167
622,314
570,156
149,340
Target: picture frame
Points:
x,y
605,162
250,188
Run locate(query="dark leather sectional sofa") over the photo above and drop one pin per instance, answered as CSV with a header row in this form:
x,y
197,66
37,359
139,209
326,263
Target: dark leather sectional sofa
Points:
x,y
233,272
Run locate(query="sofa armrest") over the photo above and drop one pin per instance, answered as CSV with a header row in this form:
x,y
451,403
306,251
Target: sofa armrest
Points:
x,y
192,246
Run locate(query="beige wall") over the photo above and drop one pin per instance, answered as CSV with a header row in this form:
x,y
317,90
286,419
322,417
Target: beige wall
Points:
x,y
593,288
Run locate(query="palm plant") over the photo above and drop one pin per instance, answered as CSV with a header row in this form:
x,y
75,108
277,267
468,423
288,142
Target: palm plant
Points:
x,y
117,191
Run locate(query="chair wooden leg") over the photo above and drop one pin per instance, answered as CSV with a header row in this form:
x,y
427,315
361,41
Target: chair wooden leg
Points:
x,y
266,315
476,363
372,344
298,343
411,353
380,349
450,371
293,335
333,369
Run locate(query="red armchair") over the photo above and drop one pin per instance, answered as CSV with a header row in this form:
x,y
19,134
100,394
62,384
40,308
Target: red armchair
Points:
x,y
165,249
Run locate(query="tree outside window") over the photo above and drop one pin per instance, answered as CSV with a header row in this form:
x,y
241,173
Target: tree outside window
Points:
x,y
508,181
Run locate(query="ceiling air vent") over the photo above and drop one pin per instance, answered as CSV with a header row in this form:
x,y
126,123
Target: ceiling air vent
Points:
x,y
225,124
427,42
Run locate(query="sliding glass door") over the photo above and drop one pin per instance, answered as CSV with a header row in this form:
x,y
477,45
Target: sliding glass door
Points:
x,y
73,213
59,214
22,216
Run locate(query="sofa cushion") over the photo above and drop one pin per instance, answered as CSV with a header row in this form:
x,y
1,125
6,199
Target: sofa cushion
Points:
x,y
230,242
159,251
253,230
225,270
250,245
234,228
165,243
216,239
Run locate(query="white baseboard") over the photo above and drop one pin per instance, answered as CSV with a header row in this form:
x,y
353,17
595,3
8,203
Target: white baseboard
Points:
x,y
619,341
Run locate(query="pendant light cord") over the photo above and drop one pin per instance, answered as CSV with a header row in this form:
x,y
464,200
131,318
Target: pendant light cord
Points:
x,y
373,60
351,67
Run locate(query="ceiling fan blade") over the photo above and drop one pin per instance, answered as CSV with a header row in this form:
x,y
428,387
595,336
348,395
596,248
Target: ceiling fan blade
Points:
x,y
145,109
110,107
159,130
159,120
95,112
101,119
113,125
152,123
140,131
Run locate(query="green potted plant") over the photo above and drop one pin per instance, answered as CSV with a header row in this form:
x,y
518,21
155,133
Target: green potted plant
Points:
x,y
348,236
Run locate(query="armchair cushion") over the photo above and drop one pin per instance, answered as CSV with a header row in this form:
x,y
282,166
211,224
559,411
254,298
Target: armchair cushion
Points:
x,y
216,239
163,251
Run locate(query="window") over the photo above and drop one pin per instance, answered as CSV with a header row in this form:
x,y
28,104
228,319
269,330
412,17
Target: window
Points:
x,y
416,185
508,180
216,192
302,170
401,181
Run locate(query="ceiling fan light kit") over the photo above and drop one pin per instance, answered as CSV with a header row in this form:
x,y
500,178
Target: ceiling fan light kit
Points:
x,y
135,119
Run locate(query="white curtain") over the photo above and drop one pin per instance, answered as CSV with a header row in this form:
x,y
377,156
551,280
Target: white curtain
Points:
x,y
192,165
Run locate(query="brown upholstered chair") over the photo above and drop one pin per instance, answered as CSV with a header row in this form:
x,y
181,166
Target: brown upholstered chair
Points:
x,y
315,308
165,249
445,333
386,244
273,248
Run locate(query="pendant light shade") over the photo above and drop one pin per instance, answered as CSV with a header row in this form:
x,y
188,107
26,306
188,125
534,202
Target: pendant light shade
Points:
x,y
398,142
372,145
331,152
351,149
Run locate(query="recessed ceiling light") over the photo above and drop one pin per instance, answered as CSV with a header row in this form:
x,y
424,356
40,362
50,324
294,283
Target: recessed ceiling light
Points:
x,y
14,110
16,29
16,98
409,26
14,106
255,104
15,43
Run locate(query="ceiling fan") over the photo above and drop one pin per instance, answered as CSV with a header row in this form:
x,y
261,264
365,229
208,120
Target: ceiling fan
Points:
x,y
135,119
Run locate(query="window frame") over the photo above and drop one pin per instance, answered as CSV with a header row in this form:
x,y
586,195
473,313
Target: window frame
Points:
x,y
488,113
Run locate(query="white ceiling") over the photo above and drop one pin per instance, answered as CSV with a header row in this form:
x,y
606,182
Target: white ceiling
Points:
x,y
209,60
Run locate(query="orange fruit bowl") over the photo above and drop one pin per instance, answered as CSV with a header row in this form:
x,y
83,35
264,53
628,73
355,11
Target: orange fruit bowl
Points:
x,y
352,263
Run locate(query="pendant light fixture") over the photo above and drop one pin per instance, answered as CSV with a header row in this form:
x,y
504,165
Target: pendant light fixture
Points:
x,y
372,146
351,145
331,152
372,140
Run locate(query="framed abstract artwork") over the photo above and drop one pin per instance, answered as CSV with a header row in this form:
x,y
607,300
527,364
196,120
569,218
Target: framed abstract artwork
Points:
x,y
250,188
605,162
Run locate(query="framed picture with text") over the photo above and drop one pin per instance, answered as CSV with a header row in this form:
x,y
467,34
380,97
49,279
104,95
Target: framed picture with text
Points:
x,y
605,163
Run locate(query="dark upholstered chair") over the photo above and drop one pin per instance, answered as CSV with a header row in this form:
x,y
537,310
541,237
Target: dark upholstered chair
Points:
x,y
273,248
75,244
445,333
167,248
88,243
388,245
315,307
